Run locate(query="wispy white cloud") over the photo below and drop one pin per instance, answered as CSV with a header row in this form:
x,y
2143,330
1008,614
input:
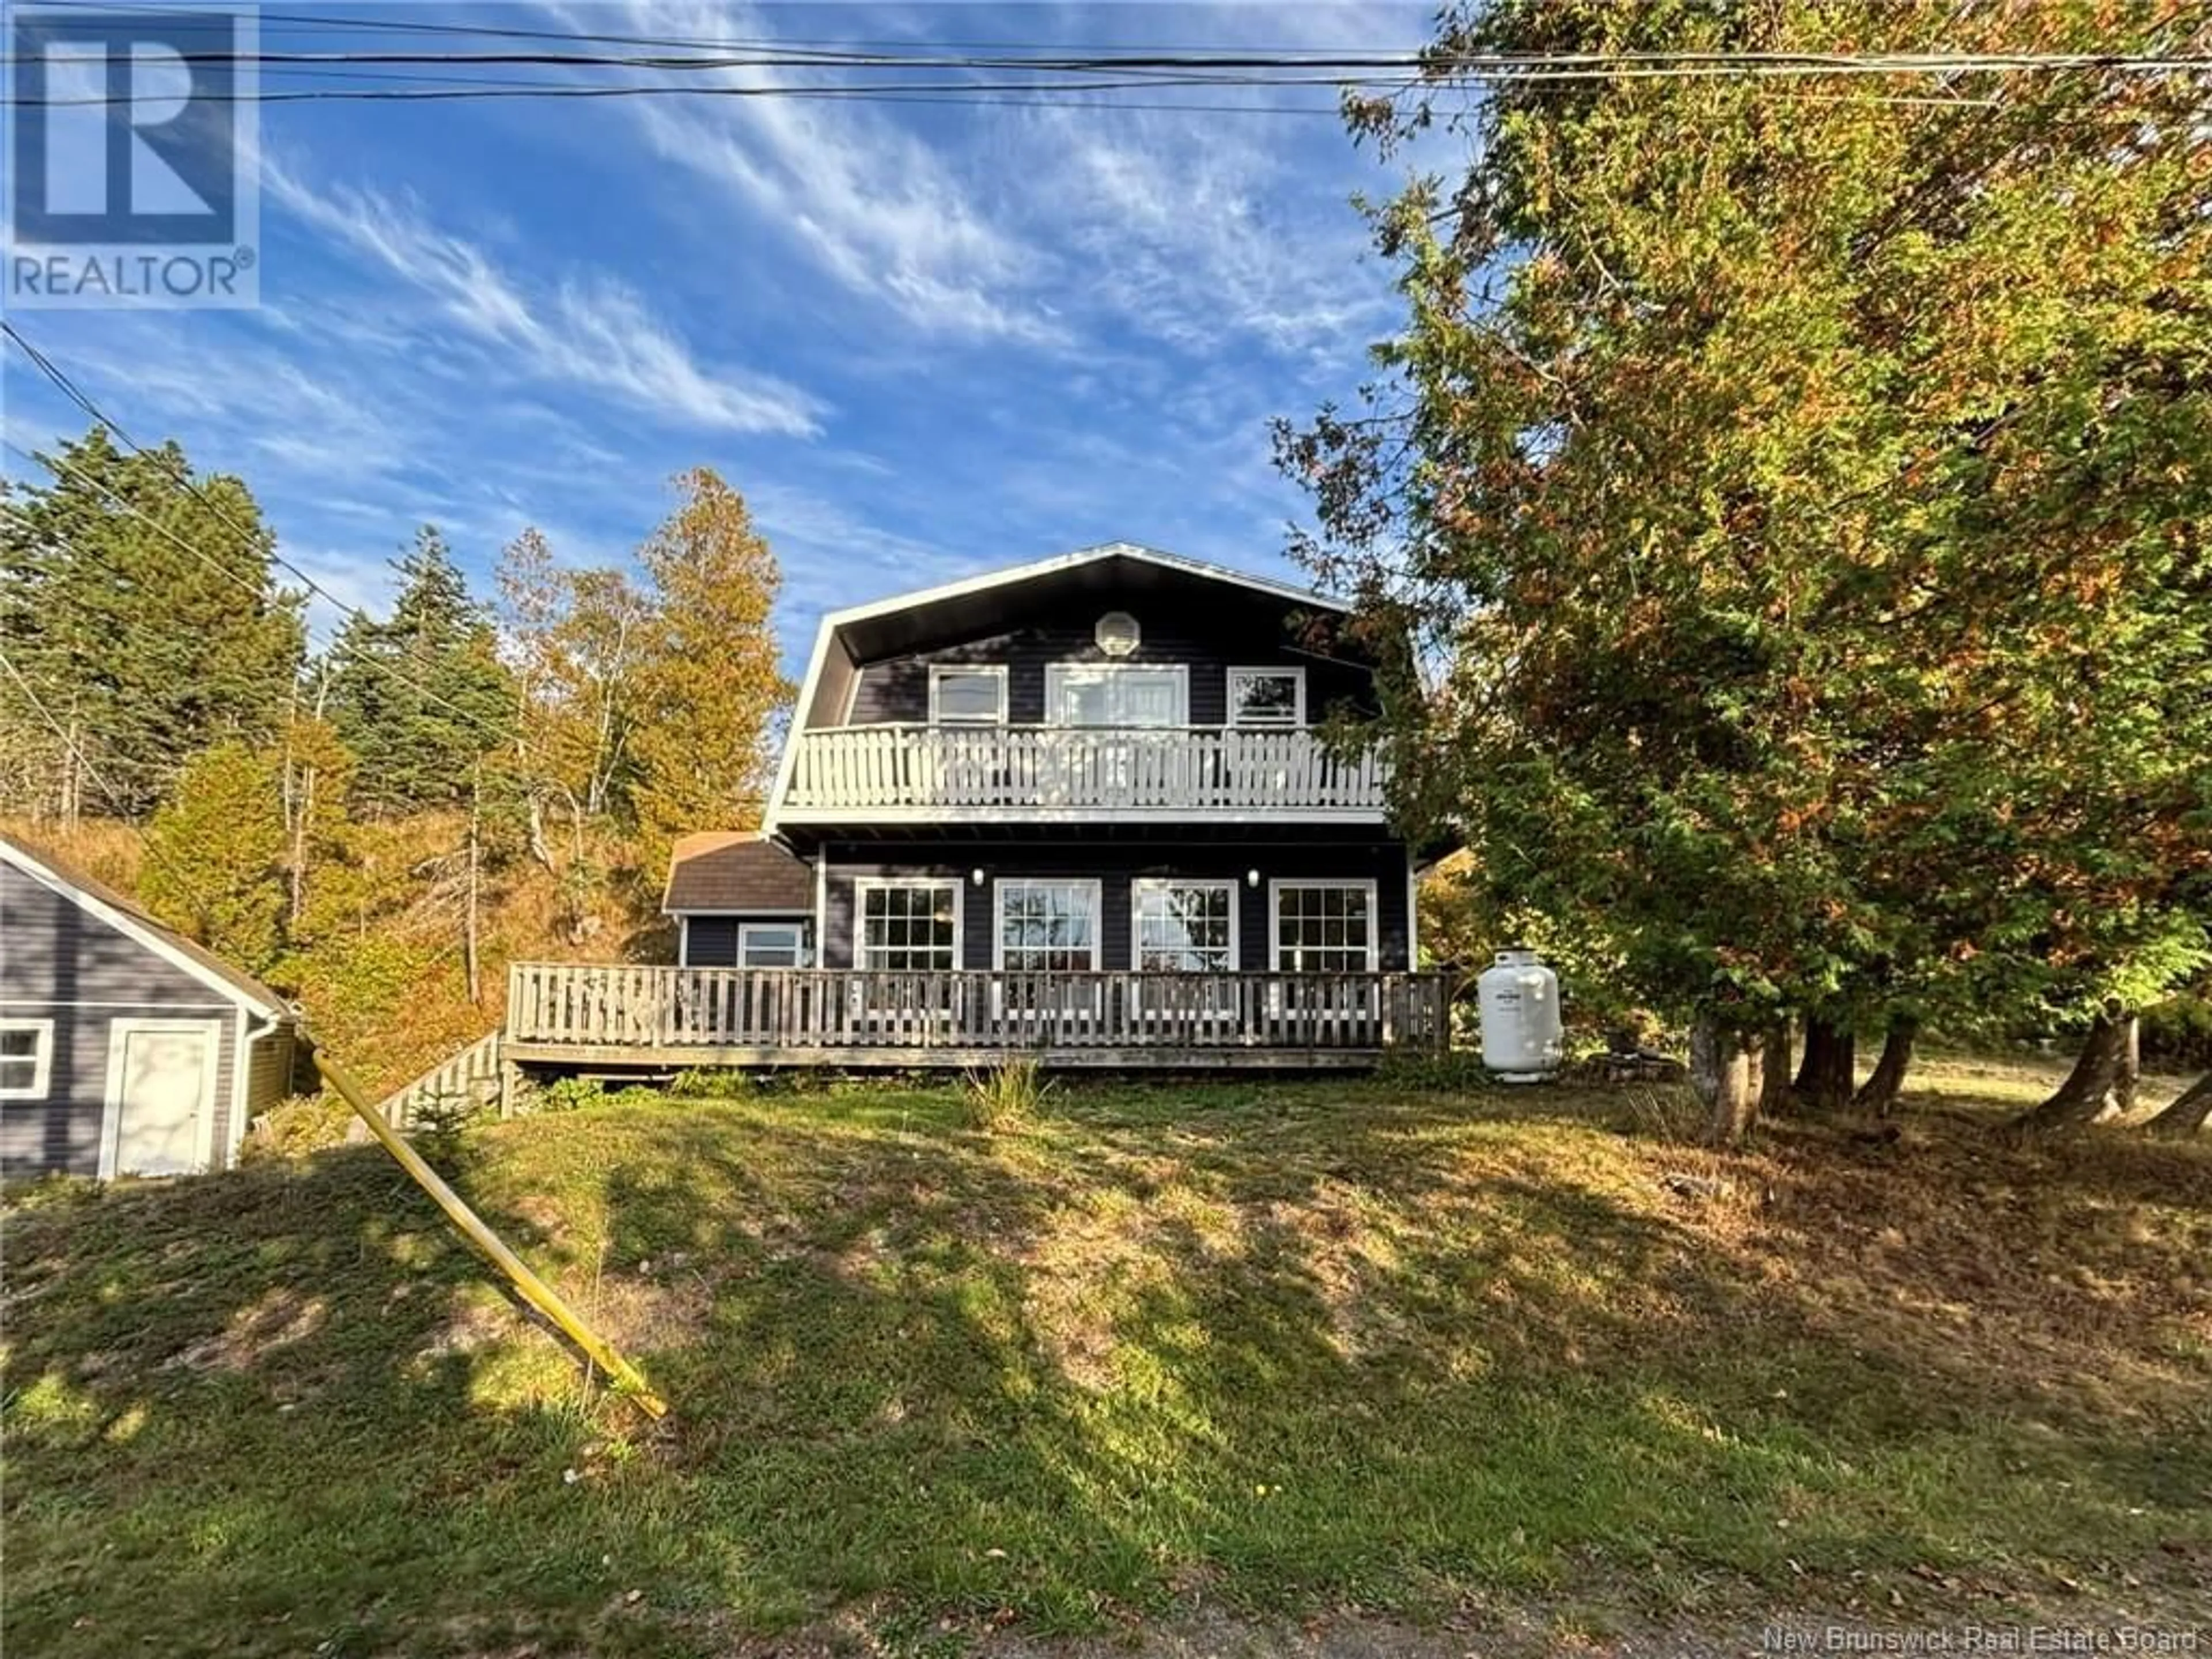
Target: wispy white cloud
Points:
x,y
590,329
876,208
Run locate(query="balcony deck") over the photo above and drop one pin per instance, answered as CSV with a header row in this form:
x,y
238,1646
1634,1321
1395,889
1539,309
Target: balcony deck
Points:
x,y
666,1019
890,773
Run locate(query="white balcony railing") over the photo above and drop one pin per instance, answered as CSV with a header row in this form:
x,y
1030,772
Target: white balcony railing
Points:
x,y
936,771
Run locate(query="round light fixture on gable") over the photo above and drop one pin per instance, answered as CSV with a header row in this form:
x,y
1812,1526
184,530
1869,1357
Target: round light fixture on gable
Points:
x,y
1117,633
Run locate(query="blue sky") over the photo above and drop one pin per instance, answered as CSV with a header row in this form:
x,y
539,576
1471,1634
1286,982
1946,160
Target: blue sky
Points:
x,y
922,340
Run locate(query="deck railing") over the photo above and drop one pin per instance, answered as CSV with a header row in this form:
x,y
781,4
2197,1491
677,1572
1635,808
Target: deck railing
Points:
x,y
1088,769
701,1009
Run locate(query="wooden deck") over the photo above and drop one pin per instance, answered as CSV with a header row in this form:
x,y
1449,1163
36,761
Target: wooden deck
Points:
x,y
668,1018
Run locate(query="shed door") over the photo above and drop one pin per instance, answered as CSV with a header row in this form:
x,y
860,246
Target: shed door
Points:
x,y
161,1091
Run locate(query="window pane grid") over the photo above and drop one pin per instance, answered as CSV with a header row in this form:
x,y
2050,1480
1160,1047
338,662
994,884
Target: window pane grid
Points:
x,y
1183,929
908,927
1322,929
1047,927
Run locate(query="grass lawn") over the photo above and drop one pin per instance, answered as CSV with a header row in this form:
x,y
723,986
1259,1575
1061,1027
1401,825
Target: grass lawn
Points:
x,y
1276,1349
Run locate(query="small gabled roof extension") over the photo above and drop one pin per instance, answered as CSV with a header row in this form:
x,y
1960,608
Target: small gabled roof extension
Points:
x,y
720,871
128,916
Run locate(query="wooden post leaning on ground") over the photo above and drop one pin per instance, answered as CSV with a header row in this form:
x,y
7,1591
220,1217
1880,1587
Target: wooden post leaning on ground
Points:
x,y
535,1291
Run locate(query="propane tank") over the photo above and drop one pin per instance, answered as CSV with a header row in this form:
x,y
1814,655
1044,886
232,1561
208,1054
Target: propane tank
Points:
x,y
1523,1038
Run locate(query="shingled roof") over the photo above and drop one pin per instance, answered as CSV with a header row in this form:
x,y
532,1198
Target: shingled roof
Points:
x,y
735,870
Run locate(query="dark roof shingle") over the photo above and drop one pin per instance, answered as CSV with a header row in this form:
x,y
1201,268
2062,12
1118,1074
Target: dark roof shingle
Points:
x,y
724,870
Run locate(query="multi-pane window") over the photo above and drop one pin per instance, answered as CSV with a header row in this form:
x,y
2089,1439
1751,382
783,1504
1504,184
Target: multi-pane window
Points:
x,y
967,696
1268,696
909,925
1325,927
1185,926
772,944
1047,927
26,1058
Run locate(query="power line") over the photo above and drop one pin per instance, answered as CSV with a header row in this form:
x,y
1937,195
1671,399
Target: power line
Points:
x,y
338,641
69,389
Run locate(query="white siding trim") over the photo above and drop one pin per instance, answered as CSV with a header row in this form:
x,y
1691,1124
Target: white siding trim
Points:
x,y
682,939
1275,918
822,905
42,1059
111,1116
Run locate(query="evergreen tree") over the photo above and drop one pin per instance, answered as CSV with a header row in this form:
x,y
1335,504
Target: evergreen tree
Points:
x,y
1809,495
141,608
215,855
419,697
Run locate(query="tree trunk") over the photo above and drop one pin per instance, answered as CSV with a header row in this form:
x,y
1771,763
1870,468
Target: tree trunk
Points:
x,y
1831,1062
469,929
1881,1090
1724,1070
2088,1091
1774,1069
2127,1076
2187,1115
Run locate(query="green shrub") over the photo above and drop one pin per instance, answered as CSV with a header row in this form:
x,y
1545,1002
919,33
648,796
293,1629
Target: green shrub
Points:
x,y
567,1094
712,1082
1457,1069
1005,1096
441,1123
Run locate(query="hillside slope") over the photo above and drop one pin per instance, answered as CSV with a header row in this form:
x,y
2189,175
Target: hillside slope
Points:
x,y
1262,1349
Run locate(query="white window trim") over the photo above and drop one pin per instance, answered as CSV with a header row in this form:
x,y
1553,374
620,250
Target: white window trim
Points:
x,y
1097,890
41,1057
1160,882
1055,679
1297,704
796,928
996,670
863,885
1275,922
110,1118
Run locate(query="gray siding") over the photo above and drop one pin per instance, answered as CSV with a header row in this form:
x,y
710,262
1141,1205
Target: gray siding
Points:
x,y
59,961
897,691
1114,865
714,939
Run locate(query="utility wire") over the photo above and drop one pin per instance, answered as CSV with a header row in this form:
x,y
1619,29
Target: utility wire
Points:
x,y
69,389
338,641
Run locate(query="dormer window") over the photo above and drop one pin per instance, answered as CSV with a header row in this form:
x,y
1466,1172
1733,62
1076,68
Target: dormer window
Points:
x,y
1268,696
967,696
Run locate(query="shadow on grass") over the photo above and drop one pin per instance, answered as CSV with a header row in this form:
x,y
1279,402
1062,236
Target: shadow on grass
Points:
x,y
1279,1345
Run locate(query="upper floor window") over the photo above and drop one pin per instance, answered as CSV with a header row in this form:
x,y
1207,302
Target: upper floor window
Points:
x,y
1268,696
967,696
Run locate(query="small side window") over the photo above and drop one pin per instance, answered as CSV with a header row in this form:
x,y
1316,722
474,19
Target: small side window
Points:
x,y
1268,696
967,696
772,944
26,1058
